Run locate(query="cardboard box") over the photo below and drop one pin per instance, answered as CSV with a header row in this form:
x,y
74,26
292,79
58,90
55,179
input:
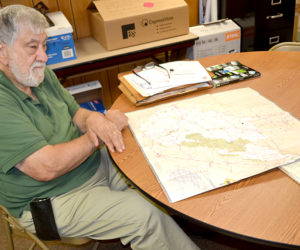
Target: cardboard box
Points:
x,y
118,24
60,44
217,38
86,91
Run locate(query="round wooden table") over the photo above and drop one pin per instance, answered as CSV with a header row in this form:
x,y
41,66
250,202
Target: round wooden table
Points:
x,y
264,208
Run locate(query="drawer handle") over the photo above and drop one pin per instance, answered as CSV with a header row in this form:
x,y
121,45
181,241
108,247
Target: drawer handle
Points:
x,y
274,39
279,15
275,2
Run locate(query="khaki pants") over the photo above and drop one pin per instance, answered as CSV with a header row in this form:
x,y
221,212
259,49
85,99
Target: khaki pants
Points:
x,y
106,208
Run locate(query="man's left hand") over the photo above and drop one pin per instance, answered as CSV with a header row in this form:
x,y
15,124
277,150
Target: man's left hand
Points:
x,y
118,118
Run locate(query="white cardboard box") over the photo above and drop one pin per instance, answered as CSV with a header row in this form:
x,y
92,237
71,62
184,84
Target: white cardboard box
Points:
x,y
217,38
79,88
86,91
60,44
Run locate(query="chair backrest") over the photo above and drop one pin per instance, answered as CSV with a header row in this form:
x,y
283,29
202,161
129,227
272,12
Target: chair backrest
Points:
x,y
286,46
13,228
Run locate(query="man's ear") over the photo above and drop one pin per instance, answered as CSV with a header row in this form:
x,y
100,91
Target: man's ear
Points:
x,y
3,53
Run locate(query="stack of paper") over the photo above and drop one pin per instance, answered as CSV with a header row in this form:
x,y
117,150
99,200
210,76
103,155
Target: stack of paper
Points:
x,y
168,80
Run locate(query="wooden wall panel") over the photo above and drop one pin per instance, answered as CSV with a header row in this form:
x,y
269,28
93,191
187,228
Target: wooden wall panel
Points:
x,y
80,17
66,7
24,2
193,11
51,4
102,76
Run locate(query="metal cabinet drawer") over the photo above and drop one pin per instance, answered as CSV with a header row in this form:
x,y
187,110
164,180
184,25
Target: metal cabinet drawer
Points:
x,y
265,40
274,14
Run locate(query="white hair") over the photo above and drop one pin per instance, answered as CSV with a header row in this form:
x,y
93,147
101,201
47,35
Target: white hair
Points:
x,y
13,18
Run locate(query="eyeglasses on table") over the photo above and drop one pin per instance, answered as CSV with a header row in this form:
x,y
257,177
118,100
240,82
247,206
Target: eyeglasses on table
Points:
x,y
148,66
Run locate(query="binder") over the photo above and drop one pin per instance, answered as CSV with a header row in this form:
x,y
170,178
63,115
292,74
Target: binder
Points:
x,y
137,99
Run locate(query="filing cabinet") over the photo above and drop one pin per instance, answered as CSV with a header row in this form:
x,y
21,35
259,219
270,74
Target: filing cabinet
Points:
x,y
263,23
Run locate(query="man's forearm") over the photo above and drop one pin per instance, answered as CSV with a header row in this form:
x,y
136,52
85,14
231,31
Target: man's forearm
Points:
x,y
81,117
53,161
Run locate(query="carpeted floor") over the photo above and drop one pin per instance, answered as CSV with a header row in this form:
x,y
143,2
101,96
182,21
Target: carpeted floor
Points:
x,y
205,239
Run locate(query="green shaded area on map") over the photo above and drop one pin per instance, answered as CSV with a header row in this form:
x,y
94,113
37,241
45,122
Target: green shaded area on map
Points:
x,y
197,140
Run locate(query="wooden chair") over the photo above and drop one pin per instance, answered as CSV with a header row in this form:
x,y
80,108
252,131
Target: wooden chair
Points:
x,y
13,228
286,46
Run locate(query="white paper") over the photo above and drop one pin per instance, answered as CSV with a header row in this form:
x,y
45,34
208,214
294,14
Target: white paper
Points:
x,y
181,73
292,170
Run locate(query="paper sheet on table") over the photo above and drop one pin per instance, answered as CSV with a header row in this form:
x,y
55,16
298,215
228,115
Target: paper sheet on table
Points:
x,y
181,73
292,170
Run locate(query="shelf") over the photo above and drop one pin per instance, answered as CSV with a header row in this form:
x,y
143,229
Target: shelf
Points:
x,y
92,55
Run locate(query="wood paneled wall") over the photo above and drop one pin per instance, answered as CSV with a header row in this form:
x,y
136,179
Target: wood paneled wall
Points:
x,y
75,12
193,11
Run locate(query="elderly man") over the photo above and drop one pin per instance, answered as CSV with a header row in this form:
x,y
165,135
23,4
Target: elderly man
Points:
x,y
49,148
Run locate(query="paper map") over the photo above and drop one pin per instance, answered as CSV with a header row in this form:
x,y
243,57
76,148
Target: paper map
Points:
x,y
202,143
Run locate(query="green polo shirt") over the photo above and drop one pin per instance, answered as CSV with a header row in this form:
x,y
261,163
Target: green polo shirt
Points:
x,y
27,125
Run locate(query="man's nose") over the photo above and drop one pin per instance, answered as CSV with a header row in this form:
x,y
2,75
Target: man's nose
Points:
x,y
42,55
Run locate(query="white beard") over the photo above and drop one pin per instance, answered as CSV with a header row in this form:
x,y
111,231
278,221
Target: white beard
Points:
x,y
31,79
